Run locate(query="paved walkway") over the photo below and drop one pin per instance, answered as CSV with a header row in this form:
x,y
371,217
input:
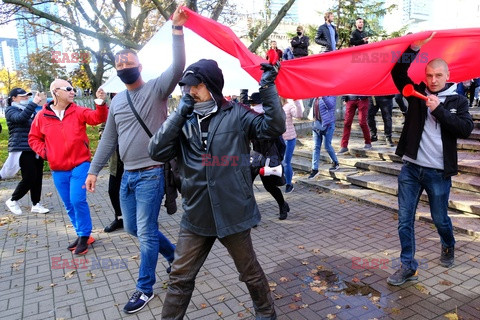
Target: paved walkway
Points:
x,y
329,260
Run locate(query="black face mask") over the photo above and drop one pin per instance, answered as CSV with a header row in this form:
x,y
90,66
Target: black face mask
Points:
x,y
129,75
299,33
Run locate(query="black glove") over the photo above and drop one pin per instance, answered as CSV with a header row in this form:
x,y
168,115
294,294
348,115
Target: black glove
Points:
x,y
270,73
185,107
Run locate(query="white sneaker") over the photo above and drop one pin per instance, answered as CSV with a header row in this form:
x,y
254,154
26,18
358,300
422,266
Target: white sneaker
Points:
x,y
38,208
13,206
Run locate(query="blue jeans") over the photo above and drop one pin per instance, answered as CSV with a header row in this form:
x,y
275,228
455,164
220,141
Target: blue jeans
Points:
x,y
287,160
317,140
141,195
70,185
413,179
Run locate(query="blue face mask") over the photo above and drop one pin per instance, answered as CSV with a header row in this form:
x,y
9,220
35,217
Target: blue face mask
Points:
x,y
129,75
24,102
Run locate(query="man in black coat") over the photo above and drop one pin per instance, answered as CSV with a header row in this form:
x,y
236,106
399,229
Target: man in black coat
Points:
x,y
300,43
327,34
210,137
358,36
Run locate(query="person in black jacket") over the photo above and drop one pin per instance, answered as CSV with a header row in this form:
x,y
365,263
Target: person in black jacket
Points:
x,y
385,104
358,36
428,147
300,43
19,115
210,137
327,34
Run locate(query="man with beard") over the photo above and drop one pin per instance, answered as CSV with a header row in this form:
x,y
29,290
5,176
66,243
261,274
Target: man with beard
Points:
x,y
210,137
142,186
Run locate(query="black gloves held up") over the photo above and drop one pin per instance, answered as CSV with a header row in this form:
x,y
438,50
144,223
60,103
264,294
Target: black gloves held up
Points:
x,y
270,73
185,107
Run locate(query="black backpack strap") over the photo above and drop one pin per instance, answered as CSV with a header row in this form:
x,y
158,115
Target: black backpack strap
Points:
x,y
144,126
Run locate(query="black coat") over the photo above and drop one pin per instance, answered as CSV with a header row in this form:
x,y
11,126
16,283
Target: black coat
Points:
x,y
452,114
300,46
356,38
323,37
19,122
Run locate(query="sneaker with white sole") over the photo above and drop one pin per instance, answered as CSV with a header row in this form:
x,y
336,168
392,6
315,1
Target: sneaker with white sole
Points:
x,y
38,208
137,302
13,206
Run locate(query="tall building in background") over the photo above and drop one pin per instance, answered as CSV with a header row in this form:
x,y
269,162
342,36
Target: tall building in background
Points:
x,y
9,55
292,14
416,11
33,38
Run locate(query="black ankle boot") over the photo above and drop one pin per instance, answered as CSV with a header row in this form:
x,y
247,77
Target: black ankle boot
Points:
x,y
116,224
284,211
82,246
73,245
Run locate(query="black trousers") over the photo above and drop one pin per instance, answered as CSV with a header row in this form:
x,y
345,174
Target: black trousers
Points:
x,y
114,182
190,254
31,169
386,107
269,184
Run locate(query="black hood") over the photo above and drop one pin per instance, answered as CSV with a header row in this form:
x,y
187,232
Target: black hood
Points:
x,y
208,72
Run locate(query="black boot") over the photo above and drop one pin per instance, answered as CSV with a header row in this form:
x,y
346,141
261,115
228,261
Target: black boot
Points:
x,y
82,246
389,142
116,224
284,209
73,245
374,137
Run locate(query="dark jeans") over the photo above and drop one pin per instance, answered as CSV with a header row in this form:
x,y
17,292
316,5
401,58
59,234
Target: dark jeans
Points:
x,y
190,254
385,104
31,168
114,183
401,103
413,179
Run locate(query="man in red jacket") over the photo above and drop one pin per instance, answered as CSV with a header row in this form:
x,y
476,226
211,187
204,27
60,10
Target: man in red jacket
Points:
x,y
59,135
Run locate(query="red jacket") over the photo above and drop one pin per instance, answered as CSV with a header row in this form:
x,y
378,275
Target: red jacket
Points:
x,y
64,143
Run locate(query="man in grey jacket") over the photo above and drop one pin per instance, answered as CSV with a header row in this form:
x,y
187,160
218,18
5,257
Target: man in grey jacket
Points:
x,y
142,185
210,138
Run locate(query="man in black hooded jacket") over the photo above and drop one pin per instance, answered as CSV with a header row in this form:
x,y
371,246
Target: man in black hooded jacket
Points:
x,y
210,137
428,147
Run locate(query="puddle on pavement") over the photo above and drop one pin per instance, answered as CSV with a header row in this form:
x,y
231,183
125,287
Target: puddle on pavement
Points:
x,y
329,283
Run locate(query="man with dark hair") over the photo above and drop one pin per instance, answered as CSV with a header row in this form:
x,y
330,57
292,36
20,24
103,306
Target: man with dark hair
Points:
x,y
217,196
327,34
142,186
358,36
428,147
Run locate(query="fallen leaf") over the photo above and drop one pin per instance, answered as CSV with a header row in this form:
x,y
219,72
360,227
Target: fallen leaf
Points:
x,y
70,291
316,250
69,274
137,257
17,264
445,283
90,280
451,316
220,313
301,247
303,306
277,296
331,316
38,288
317,290
297,298
305,262
283,279
203,305
90,274
365,307
293,306
356,280
356,228
53,285
221,298
368,274
272,284
334,297
472,258
240,315
421,288
48,194
338,307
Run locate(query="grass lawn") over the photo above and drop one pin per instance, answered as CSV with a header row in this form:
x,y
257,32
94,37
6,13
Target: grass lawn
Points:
x,y
92,133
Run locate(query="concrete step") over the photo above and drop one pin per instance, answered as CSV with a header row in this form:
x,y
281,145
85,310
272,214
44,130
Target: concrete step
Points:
x,y
462,222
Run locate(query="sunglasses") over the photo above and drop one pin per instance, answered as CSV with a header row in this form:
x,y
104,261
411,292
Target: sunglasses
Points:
x,y
68,89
